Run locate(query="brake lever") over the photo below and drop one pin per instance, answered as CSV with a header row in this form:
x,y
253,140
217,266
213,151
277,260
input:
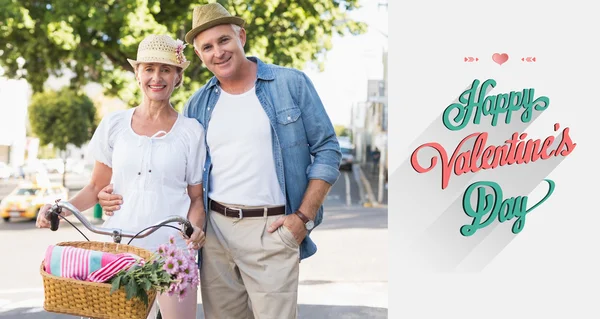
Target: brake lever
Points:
x,y
53,214
188,229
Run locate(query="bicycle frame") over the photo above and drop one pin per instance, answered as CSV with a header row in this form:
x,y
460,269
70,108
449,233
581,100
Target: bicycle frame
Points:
x,y
116,233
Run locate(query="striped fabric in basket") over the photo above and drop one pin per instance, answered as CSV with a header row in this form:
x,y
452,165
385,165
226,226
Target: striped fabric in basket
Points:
x,y
85,264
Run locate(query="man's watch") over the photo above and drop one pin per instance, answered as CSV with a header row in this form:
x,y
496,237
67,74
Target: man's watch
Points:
x,y
308,223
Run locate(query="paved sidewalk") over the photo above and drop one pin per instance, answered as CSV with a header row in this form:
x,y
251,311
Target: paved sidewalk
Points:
x,y
305,311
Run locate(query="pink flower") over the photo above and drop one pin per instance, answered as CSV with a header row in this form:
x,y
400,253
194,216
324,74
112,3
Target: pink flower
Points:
x,y
182,262
172,251
182,294
162,250
179,51
184,270
172,289
192,257
182,267
171,266
181,276
182,285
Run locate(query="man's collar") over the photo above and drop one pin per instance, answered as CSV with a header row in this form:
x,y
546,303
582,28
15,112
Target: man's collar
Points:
x,y
263,73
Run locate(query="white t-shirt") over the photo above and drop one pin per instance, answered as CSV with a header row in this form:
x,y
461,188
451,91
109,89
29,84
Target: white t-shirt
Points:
x,y
151,173
241,151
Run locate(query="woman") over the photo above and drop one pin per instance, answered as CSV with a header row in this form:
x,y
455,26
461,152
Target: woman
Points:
x,y
154,157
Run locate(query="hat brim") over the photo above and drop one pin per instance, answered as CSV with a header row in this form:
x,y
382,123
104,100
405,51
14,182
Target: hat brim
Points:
x,y
189,37
135,63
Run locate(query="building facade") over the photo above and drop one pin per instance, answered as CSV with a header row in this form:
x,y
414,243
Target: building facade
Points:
x,y
14,98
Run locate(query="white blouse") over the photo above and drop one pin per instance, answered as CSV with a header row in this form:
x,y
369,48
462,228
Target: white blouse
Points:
x,y
151,173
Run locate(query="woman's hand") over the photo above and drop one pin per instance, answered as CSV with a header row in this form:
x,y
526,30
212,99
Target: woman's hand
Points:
x,y
42,221
196,241
110,202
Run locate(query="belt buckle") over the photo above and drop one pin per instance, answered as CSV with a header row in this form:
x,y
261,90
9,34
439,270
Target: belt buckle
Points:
x,y
240,212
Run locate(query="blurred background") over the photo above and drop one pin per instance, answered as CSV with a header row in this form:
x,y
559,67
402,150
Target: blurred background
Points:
x,y
63,67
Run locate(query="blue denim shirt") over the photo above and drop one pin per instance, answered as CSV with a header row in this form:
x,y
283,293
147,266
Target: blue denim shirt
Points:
x,y
300,128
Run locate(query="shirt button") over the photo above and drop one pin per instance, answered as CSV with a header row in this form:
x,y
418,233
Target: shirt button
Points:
x,y
204,189
217,91
289,118
205,169
208,109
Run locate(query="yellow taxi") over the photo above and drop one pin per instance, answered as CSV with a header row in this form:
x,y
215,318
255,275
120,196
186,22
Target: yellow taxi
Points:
x,y
26,200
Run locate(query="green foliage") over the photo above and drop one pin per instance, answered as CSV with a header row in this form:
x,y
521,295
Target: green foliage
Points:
x,y
341,130
169,270
140,278
93,38
62,118
47,152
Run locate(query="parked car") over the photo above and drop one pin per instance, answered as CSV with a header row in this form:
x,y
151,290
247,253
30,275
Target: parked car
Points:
x,y
347,157
26,200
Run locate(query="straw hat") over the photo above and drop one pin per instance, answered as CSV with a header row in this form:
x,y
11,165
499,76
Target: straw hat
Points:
x,y
208,16
161,49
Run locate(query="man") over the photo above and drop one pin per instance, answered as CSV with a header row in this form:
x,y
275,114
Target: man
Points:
x,y
375,156
272,156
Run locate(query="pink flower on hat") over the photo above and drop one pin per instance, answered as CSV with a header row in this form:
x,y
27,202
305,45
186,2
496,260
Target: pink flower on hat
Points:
x,y
179,51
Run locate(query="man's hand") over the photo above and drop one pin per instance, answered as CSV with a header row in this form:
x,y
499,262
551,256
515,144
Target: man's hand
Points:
x,y
293,223
110,202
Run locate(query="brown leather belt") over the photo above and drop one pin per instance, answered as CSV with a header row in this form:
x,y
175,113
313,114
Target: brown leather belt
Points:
x,y
245,212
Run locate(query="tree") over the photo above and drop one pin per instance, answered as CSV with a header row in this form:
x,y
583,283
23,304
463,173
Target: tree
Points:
x,y
93,38
341,130
62,118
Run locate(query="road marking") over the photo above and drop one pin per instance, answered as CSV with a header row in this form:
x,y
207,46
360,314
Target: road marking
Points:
x,y
361,189
16,291
348,198
27,303
369,190
35,310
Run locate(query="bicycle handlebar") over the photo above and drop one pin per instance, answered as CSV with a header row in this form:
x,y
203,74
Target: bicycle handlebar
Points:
x,y
56,210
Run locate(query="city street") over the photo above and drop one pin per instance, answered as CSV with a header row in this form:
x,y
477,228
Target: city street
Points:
x,y
347,278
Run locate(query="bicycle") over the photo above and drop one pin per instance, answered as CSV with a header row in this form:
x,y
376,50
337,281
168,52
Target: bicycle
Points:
x,y
66,296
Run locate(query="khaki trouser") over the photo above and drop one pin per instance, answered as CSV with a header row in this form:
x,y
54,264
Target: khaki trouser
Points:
x,y
246,271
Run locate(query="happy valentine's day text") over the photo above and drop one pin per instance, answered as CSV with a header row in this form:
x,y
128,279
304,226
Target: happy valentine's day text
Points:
x,y
516,150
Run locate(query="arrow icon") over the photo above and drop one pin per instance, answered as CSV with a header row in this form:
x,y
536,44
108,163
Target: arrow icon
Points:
x,y
471,59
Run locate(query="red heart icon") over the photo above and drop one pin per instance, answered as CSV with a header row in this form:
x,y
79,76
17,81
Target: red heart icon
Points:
x,y
500,58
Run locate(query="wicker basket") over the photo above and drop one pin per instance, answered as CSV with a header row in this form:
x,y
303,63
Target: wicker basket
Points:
x,y
90,299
